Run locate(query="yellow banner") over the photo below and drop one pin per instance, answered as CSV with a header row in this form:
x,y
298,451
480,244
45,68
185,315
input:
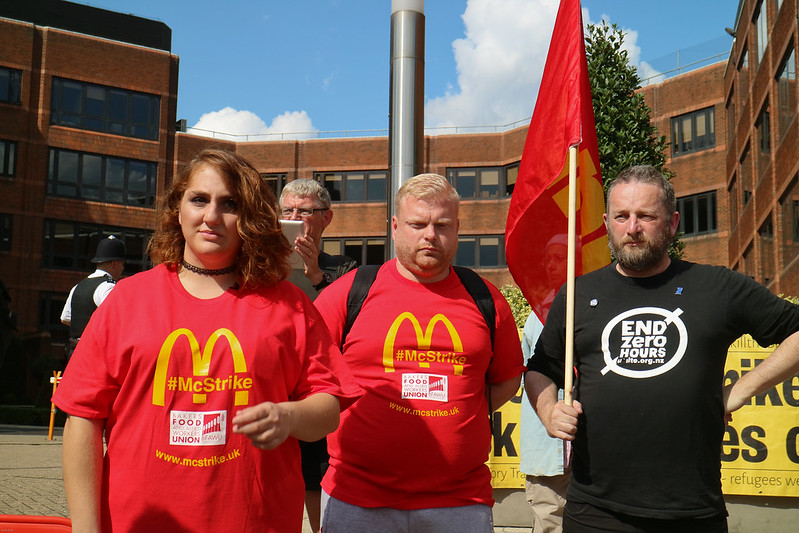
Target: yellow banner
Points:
x,y
503,460
760,451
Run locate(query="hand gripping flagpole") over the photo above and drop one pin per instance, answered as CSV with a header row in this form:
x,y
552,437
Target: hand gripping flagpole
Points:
x,y
568,367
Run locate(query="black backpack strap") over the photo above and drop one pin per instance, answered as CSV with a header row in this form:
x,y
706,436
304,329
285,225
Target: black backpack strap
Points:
x,y
478,290
364,278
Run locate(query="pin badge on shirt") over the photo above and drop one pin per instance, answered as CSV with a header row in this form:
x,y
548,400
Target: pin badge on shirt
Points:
x,y
678,291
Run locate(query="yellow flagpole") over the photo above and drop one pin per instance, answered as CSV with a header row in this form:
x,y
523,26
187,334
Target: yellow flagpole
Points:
x,y
568,377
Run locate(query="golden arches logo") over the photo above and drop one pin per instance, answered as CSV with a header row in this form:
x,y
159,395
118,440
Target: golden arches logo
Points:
x,y
423,339
201,362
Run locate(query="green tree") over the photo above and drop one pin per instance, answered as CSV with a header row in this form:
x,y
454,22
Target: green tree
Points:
x,y
625,133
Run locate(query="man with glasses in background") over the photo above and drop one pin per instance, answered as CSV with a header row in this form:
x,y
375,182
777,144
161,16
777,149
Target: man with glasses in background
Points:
x,y
305,199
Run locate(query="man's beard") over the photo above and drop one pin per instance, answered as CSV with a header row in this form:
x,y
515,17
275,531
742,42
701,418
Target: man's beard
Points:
x,y
646,254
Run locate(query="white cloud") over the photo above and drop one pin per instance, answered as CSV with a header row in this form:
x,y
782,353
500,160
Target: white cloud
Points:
x,y
630,44
229,123
499,63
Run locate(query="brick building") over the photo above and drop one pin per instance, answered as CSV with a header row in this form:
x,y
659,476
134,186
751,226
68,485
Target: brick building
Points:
x,y
686,109
762,158
482,166
87,141
88,100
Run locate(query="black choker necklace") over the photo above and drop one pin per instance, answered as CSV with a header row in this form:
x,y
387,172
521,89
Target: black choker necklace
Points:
x,y
207,271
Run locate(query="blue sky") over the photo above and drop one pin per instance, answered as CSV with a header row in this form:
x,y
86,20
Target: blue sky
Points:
x,y
266,66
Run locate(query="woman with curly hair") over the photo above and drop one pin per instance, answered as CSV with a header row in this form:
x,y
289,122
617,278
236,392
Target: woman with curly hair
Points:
x,y
203,372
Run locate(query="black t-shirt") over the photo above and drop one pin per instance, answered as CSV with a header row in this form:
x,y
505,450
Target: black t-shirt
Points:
x,y
650,354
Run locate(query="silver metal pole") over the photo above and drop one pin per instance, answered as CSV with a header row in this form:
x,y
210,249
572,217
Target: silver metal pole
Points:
x,y
406,100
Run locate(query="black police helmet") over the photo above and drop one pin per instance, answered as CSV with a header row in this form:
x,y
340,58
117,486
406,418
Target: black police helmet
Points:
x,y
110,249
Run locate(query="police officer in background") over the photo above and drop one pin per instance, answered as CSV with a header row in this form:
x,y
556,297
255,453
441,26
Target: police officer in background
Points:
x,y
87,295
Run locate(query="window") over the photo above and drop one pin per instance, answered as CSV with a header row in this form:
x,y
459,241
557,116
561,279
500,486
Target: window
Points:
x,y
748,263
367,251
71,245
8,158
763,141
789,207
92,107
101,178
5,232
786,91
698,213
746,177
50,306
732,194
766,236
731,118
693,132
360,186
761,29
743,77
276,180
10,85
484,182
481,251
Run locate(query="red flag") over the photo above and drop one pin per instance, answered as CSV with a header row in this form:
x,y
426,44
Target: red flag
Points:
x,y
535,236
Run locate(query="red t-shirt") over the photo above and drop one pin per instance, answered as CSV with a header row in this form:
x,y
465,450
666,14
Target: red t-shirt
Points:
x,y
420,436
168,372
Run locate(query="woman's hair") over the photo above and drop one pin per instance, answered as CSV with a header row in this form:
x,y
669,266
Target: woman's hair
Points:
x,y
263,258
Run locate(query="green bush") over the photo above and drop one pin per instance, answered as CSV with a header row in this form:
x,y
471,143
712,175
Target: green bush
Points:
x,y
518,304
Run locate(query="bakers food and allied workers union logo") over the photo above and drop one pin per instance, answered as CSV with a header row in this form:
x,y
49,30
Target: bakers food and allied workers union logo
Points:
x,y
644,342
424,385
199,384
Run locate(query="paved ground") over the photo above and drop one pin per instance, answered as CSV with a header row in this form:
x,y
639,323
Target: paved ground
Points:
x,y
30,474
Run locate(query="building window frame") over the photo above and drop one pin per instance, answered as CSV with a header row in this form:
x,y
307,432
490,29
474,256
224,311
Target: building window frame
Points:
x,y
786,90
788,218
766,245
698,214
746,175
70,245
731,118
693,132
105,109
352,186
743,77
481,251
50,306
10,86
277,180
484,183
763,132
364,250
102,178
6,227
733,195
8,158
761,31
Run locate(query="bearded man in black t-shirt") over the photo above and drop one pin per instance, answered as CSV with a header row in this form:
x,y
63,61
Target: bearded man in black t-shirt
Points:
x,y
650,343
